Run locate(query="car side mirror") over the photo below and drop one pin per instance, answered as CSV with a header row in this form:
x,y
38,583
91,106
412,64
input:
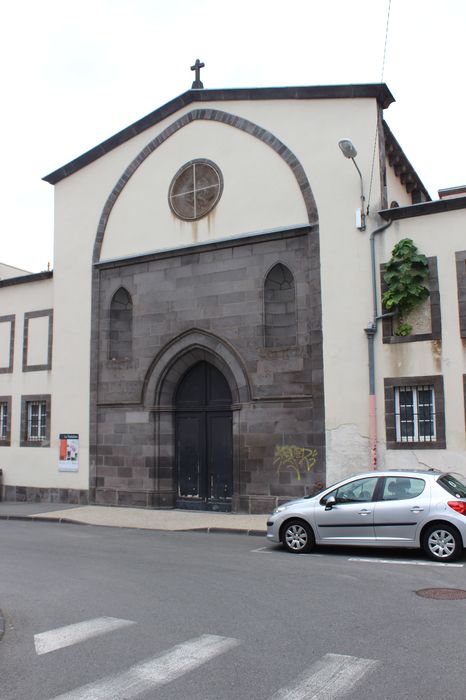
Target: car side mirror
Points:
x,y
330,502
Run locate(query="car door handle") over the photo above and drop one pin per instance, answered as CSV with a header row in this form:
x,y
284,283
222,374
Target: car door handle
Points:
x,y
364,511
416,509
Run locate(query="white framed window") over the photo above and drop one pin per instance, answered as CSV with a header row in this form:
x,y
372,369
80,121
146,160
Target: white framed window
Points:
x,y
36,420
4,420
415,413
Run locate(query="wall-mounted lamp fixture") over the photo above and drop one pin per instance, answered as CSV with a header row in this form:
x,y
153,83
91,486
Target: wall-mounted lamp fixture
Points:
x,y
348,149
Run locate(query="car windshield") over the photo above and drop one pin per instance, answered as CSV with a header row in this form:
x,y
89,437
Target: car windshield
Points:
x,y
322,489
454,484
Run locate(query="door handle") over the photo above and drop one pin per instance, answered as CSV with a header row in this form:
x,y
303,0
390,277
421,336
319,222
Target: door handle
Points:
x,y
364,511
416,509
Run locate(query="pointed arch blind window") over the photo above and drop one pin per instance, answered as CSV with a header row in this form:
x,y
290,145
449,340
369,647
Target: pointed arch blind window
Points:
x,y
280,308
121,326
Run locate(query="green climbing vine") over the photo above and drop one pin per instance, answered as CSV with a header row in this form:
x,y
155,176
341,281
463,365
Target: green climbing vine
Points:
x,y
405,275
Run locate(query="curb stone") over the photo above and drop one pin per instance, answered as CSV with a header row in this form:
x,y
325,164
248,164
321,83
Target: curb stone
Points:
x,y
70,521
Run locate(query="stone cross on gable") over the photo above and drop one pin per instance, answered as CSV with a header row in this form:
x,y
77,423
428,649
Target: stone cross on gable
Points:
x,y
197,85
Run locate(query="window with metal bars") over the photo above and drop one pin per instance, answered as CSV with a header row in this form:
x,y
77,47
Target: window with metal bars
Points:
x,y
3,420
36,420
415,413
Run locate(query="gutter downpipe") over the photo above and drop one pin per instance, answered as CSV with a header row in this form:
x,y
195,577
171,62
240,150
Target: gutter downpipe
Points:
x,y
370,331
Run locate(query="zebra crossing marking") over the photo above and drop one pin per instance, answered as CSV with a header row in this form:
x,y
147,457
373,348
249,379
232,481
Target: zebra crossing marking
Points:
x,y
331,677
79,632
155,672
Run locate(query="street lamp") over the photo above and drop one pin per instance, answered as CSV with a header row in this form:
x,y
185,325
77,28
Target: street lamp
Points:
x,y
348,149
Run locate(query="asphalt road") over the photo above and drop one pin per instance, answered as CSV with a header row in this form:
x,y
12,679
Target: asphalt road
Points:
x,y
207,617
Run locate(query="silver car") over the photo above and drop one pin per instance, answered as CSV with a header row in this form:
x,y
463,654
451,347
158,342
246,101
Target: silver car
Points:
x,y
392,508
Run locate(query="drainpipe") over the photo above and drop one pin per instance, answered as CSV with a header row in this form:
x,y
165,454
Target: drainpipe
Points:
x,y
370,331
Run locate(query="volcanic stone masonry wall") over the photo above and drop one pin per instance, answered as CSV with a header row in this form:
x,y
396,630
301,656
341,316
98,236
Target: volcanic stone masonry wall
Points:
x,y
217,290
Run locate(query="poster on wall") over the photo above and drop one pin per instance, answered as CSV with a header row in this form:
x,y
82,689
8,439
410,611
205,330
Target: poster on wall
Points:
x,y
69,452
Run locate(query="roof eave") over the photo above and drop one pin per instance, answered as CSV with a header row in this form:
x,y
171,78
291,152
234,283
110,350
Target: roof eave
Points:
x,y
378,91
25,279
402,166
423,209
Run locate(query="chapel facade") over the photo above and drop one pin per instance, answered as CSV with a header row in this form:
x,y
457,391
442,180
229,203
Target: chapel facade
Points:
x,y
202,340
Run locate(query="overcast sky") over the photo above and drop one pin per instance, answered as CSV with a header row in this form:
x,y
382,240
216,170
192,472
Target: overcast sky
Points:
x,y
75,73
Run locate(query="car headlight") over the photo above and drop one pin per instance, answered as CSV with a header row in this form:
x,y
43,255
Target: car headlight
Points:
x,y
280,509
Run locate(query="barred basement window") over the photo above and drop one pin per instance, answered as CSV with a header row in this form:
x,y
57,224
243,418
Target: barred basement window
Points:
x,y
3,420
36,420
415,413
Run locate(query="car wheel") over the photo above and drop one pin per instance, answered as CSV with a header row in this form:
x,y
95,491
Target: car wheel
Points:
x,y
298,537
442,543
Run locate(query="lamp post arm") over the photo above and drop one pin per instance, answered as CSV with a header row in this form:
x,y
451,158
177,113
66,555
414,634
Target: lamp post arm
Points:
x,y
363,199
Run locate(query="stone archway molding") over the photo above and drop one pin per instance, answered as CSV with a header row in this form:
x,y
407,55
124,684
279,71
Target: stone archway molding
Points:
x,y
218,116
182,353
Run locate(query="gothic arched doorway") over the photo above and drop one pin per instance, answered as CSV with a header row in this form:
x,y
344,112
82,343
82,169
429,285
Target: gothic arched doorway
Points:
x,y
204,444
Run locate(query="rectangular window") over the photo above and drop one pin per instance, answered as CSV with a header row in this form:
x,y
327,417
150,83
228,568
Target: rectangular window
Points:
x,y
461,282
3,420
464,396
415,413
37,340
37,420
7,343
453,485
428,314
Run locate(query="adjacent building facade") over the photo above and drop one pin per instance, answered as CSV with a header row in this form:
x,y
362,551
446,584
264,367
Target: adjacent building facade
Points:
x,y
201,341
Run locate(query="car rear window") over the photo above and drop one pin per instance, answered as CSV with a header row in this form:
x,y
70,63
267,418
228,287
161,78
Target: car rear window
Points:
x,y
401,488
453,485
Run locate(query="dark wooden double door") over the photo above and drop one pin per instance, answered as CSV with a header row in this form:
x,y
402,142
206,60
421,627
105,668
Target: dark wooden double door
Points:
x,y
204,445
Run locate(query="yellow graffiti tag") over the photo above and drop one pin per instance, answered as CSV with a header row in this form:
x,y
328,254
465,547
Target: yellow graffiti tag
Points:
x,y
299,459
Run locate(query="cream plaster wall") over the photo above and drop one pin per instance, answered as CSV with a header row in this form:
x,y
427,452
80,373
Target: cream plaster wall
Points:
x,y
439,235
346,295
311,129
27,466
79,200
260,192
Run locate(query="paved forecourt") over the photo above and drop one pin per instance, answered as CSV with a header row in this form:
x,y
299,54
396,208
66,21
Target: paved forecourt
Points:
x,y
169,520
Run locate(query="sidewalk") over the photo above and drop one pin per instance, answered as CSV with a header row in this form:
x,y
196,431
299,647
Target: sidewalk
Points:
x,y
109,516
